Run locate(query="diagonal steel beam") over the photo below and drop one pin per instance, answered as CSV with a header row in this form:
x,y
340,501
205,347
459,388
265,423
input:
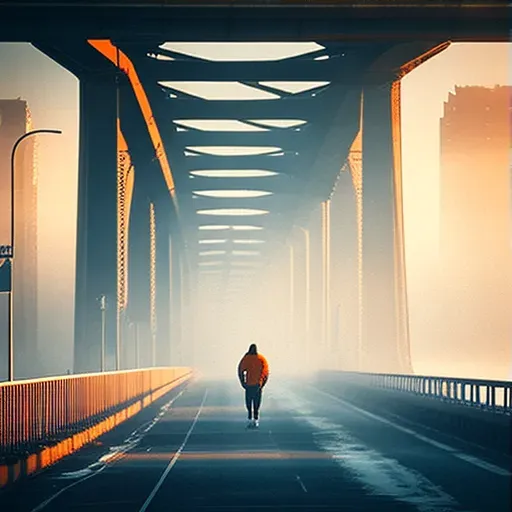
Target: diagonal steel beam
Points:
x,y
307,109
270,183
277,163
279,138
207,71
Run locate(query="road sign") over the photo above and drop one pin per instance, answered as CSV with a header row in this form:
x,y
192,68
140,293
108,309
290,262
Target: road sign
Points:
x,y
5,251
5,275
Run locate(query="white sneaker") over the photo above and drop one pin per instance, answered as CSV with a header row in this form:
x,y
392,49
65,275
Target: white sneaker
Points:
x,y
256,423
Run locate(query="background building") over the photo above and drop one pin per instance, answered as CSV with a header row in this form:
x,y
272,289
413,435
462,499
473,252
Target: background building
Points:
x,y
15,120
475,222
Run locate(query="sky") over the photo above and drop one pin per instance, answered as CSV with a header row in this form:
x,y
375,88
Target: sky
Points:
x,y
52,94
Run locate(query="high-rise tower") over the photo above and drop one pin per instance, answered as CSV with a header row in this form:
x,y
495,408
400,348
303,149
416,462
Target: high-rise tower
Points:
x,y
15,120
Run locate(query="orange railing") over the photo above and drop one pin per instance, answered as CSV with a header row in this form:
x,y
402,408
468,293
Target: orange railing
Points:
x,y
39,411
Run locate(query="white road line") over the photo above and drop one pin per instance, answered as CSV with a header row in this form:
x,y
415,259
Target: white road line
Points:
x,y
475,461
301,483
174,459
45,503
100,466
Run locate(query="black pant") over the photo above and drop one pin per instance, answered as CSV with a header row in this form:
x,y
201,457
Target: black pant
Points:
x,y
253,401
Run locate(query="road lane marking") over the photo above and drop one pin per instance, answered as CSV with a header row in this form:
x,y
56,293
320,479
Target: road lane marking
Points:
x,y
301,483
45,503
97,467
475,461
174,459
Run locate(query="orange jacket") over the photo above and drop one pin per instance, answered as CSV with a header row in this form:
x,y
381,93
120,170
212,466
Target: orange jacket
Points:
x,y
255,368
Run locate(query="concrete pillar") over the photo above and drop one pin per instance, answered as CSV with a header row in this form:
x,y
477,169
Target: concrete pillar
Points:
x,y
384,339
96,263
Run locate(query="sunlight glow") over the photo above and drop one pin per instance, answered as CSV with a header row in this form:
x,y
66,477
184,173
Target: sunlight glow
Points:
x,y
210,263
246,253
217,91
242,173
248,241
242,52
220,227
213,227
232,211
212,241
211,253
233,150
247,228
232,193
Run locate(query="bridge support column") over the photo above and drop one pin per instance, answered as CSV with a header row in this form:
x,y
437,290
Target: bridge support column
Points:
x,y
139,274
345,274
385,341
326,281
96,253
176,304
163,284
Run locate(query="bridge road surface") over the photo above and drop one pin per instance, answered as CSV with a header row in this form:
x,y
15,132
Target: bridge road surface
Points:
x,y
312,452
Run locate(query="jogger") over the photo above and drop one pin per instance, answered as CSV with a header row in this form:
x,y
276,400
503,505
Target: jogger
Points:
x,y
253,375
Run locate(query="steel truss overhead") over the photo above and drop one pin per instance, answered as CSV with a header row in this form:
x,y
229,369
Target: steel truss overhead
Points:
x,y
306,167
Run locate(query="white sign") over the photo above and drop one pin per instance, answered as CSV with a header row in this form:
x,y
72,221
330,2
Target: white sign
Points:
x,y
5,251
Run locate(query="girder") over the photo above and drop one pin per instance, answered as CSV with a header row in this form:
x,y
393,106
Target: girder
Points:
x,y
288,139
335,69
273,203
278,183
455,21
289,108
279,164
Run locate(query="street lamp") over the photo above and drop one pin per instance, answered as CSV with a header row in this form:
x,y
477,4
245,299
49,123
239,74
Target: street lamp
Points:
x,y
103,308
11,302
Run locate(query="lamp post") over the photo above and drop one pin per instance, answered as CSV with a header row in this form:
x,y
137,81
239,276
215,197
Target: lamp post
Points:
x,y
11,301
103,308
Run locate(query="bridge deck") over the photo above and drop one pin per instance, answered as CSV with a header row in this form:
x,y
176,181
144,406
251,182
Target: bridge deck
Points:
x,y
312,452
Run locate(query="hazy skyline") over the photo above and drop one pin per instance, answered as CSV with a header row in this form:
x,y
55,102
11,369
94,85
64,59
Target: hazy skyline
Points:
x,y
52,94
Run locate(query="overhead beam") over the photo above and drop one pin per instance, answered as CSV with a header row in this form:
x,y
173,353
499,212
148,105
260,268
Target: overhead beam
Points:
x,y
289,139
446,19
279,202
269,183
331,70
232,109
269,163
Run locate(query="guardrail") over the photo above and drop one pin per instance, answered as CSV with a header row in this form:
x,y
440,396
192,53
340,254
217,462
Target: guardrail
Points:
x,y
35,412
483,394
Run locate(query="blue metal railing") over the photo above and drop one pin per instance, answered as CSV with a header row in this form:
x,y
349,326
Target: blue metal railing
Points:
x,y
490,395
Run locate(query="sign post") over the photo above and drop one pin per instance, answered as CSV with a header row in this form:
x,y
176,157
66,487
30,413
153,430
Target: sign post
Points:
x,y
6,252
